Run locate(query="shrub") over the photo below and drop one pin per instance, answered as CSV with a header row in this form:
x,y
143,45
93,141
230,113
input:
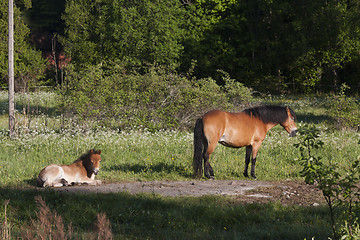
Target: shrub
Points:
x,y
340,192
155,99
236,93
344,110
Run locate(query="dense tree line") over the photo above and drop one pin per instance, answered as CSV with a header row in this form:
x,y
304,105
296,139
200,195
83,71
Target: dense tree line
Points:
x,y
268,45
29,65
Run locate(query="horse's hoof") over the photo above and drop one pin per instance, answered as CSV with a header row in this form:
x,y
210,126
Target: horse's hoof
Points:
x,y
246,175
210,177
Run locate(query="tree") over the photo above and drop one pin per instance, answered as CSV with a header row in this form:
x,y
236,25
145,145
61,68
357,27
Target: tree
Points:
x,y
132,32
28,63
270,43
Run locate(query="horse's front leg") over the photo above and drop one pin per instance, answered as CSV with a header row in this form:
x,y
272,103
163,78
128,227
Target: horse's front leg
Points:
x,y
90,181
247,160
255,149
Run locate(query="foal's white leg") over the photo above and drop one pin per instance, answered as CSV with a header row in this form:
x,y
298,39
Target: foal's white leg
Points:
x,y
89,181
60,182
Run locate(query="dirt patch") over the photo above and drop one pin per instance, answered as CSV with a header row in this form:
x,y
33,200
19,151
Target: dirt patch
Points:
x,y
247,191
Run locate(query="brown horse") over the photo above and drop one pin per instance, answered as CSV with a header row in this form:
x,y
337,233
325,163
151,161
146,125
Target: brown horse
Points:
x,y
247,128
82,171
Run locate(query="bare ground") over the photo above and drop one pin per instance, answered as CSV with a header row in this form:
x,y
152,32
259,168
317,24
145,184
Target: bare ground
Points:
x,y
246,191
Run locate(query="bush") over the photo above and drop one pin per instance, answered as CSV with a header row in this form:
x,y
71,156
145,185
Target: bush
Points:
x,y
156,99
344,110
236,92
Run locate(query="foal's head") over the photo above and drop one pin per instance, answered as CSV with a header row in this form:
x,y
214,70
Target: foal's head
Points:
x,y
289,124
93,161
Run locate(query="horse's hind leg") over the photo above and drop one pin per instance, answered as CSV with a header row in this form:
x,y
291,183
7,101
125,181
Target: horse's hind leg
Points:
x,y
247,160
208,170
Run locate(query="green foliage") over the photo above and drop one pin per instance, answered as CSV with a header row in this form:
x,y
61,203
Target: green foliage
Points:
x,y
340,192
29,66
258,41
236,92
344,110
271,46
312,164
133,32
157,99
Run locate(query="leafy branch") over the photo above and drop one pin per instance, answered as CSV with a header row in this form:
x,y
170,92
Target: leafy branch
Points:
x,y
340,192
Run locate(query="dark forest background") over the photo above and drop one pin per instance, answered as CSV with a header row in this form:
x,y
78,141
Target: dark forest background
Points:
x,y
267,45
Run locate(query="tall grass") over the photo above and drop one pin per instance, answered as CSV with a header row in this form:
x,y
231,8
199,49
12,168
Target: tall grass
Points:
x,y
164,155
143,155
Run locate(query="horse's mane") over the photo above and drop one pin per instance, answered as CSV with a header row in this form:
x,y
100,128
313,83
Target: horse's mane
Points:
x,y
85,156
270,114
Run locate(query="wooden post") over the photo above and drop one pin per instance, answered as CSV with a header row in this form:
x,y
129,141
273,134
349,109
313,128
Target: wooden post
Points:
x,y
11,70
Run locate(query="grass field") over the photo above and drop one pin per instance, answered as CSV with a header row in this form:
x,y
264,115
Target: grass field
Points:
x,y
165,155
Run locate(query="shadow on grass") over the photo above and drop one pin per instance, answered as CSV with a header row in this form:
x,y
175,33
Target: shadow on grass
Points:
x,y
148,216
30,181
34,110
311,118
158,168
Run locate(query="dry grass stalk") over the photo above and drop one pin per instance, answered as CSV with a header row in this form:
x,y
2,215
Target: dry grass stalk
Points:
x,y
5,228
47,226
50,225
103,227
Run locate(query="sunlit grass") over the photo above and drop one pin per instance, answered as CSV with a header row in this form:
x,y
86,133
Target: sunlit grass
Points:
x,y
32,110
164,155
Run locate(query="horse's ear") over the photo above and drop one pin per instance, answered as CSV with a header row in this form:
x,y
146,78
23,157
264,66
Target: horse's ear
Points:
x,y
288,110
91,151
99,151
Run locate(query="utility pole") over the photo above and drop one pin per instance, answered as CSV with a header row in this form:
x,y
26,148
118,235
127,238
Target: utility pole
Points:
x,y
11,70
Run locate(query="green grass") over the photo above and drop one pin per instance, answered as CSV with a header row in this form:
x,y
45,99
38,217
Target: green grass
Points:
x,y
165,155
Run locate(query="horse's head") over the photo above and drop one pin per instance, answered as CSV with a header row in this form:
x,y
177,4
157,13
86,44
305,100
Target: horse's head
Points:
x,y
289,124
95,160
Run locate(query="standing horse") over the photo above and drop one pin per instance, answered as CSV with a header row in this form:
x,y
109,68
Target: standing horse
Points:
x,y
83,170
247,128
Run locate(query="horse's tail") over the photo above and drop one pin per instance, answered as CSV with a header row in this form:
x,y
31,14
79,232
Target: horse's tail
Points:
x,y
199,145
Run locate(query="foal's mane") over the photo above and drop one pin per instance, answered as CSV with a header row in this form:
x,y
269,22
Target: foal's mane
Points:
x,y
85,156
270,114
